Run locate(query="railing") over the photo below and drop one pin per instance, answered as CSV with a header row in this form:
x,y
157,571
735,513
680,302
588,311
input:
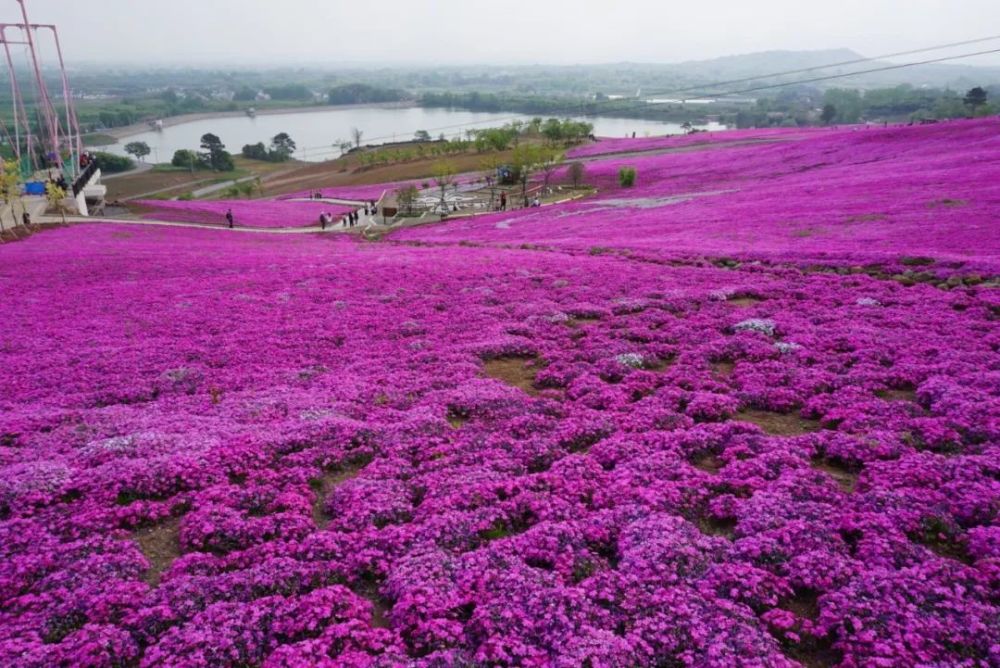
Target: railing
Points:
x,y
84,178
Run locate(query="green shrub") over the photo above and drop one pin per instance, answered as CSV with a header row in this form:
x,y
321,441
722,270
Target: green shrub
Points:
x,y
186,159
113,164
626,177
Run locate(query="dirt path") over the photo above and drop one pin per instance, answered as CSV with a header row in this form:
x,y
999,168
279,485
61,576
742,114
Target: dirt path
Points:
x,y
140,168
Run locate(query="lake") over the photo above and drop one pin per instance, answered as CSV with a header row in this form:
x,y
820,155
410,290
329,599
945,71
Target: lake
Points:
x,y
315,132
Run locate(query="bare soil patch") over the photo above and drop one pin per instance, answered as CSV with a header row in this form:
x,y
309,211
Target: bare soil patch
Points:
x,y
514,371
708,462
723,369
323,487
778,424
847,479
898,395
805,604
744,301
161,546
711,526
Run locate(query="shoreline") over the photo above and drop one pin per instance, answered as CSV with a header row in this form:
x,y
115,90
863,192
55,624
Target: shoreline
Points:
x,y
127,131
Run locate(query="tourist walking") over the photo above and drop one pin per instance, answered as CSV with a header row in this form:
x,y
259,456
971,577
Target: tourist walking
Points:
x,y
26,218
229,217
503,201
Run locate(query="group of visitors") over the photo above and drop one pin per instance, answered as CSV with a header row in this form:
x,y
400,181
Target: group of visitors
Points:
x,y
353,217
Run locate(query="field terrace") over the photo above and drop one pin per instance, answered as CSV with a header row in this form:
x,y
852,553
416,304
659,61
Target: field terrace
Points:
x,y
608,447
261,214
896,197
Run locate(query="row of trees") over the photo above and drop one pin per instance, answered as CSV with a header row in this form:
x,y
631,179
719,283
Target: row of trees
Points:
x,y
280,150
850,106
797,106
213,156
363,94
554,132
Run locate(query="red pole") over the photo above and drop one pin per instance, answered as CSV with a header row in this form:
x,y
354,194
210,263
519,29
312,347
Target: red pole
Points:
x,y
47,109
18,101
72,123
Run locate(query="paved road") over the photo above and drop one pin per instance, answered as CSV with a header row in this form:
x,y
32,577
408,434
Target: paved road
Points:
x,y
364,222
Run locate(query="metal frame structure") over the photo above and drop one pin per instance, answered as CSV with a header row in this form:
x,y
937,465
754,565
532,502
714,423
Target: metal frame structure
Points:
x,y
57,134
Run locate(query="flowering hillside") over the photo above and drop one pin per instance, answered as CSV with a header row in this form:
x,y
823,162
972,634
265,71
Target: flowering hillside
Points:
x,y
515,447
607,145
849,197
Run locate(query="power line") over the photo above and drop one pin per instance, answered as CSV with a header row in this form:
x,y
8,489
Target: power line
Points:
x,y
826,67
578,107
851,74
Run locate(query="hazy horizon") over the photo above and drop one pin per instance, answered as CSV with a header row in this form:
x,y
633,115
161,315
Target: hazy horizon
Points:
x,y
250,33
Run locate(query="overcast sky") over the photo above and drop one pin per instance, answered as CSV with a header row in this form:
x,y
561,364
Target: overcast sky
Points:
x,y
336,32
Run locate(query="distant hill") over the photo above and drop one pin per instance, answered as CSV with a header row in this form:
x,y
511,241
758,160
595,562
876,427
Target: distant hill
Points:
x,y
954,75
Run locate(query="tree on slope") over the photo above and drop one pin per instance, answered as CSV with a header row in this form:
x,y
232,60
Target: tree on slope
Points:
x,y
215,156
444,177
139,149
55,195
975,98
282,147
829,113
10,188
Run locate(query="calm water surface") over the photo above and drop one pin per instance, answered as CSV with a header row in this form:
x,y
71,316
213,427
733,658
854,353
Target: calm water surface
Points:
x,y
315,133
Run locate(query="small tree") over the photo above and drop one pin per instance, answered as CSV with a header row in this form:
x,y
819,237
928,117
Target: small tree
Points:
x,y
576,172
829,113
215,155
406,197
491,167
422,135
975,98
444,177
548,163
282,147
139,149
626,177
524,161
356,135
55,195
185,159
10,188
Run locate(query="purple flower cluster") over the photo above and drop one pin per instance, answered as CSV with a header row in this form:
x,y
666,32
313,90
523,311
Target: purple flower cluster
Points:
x,y
284,451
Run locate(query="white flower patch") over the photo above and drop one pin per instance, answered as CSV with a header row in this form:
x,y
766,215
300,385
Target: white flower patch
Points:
x,y
762,325
868,301
785,347
634,360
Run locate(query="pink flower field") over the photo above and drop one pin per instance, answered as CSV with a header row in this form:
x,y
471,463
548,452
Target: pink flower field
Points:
x,y
666,426
850,197
608,145
246,213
